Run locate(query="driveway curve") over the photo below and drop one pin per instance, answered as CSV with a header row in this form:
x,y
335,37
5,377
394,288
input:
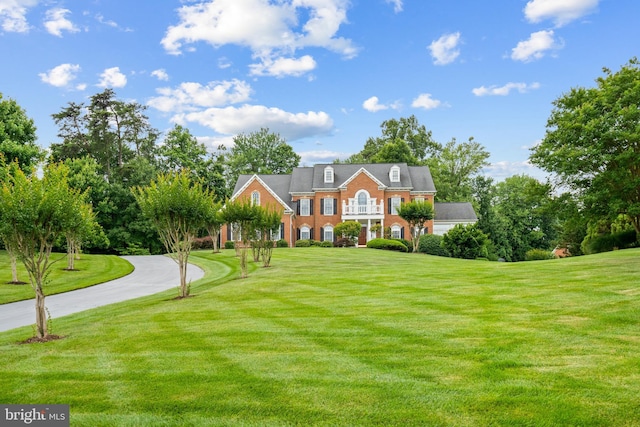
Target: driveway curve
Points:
x,y
151,274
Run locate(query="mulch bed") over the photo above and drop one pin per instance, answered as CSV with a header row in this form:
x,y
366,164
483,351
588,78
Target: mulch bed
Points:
x,y
33,340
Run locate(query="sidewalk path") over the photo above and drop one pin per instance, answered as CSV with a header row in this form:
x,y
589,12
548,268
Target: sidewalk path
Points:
x,y
151,274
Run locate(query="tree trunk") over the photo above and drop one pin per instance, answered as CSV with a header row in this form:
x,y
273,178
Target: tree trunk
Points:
x,y
182,263
41,314
71,252
14,266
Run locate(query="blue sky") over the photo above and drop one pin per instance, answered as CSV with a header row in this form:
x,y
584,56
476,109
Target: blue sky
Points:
x,y
323,73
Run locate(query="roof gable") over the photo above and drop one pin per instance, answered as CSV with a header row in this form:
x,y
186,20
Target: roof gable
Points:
x,y
361,171
276,185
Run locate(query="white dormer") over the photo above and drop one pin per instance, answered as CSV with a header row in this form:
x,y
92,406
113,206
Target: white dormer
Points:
x,y
328,175
394,173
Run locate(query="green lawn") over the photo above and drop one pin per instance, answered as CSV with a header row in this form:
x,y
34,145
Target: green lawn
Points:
x,y
352,337
90,270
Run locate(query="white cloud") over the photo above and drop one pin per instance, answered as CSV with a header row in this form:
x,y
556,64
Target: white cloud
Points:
x,y
61,75
536,47
13,15
270,29
373,105
250,118
112,77
160,74
56,22
560,11
191,96
224,63
445,49
505,90
281,67
505,169
397,5
111,23
425,101
308,158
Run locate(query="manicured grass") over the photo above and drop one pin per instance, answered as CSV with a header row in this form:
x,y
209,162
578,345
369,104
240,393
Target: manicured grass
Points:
x,y
90,270
352,337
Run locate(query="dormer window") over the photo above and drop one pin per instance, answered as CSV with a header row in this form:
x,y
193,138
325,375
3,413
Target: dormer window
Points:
x,y
328,175
394,174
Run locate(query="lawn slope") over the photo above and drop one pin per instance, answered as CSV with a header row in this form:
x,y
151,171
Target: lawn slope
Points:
x,y
353,337
89,270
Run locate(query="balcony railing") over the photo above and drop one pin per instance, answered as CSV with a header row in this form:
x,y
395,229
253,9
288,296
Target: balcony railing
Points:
x,y
371,208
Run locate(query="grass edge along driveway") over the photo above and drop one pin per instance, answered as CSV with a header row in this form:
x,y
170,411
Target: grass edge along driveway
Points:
x,y
353,337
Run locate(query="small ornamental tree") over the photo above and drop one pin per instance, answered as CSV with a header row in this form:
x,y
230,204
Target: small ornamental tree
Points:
x,y
214,222
178,208
349,230
242,216
416,213
465,241
268,224
33,214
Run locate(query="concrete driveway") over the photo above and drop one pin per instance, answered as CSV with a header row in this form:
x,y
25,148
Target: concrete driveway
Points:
x,y
151,274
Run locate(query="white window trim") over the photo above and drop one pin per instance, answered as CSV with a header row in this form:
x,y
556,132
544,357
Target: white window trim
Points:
x,y
395,202
328,231
255,198
396,232
305,207
328,175
394,174
328,207
305,233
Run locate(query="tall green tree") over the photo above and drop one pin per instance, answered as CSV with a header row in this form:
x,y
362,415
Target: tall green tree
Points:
x,y
178,208
18,136
465,241
398,132
592,144
181,150
416,213
34,213
525,212
110,130
261,152
454,167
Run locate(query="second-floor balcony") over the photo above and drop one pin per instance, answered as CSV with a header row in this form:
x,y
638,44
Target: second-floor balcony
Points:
x,y
371,207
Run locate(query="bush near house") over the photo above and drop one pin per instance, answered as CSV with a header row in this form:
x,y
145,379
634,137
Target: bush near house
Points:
x,y
538,254
344,243
229,244
282,244
431,244
387,244
303,243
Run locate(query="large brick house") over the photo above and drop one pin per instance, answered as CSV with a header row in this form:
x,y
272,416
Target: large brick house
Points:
x,y
315,199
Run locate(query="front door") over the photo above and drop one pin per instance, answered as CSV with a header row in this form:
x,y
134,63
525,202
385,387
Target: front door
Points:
x,y
362,238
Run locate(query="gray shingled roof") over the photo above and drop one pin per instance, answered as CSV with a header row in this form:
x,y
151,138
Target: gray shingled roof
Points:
x,y
454,212
307,179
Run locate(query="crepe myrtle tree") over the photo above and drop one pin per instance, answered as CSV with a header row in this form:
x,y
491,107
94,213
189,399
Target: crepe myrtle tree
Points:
x,y
34,213
416,213
178,208
242,216
268,224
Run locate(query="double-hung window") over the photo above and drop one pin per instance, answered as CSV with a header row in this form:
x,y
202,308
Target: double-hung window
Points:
x,y
395,203
305,209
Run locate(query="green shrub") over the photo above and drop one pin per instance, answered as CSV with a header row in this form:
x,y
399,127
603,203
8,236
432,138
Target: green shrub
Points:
x,y
202,243
405,242
282,244
538,254
431,244
303,243
229,244
343,243
314,242
609,242
326,244
134,249
387,244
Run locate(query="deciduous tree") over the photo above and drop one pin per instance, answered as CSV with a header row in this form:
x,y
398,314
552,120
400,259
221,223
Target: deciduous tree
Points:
x,y
416,213
178,208
592,144
18,136
33,214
